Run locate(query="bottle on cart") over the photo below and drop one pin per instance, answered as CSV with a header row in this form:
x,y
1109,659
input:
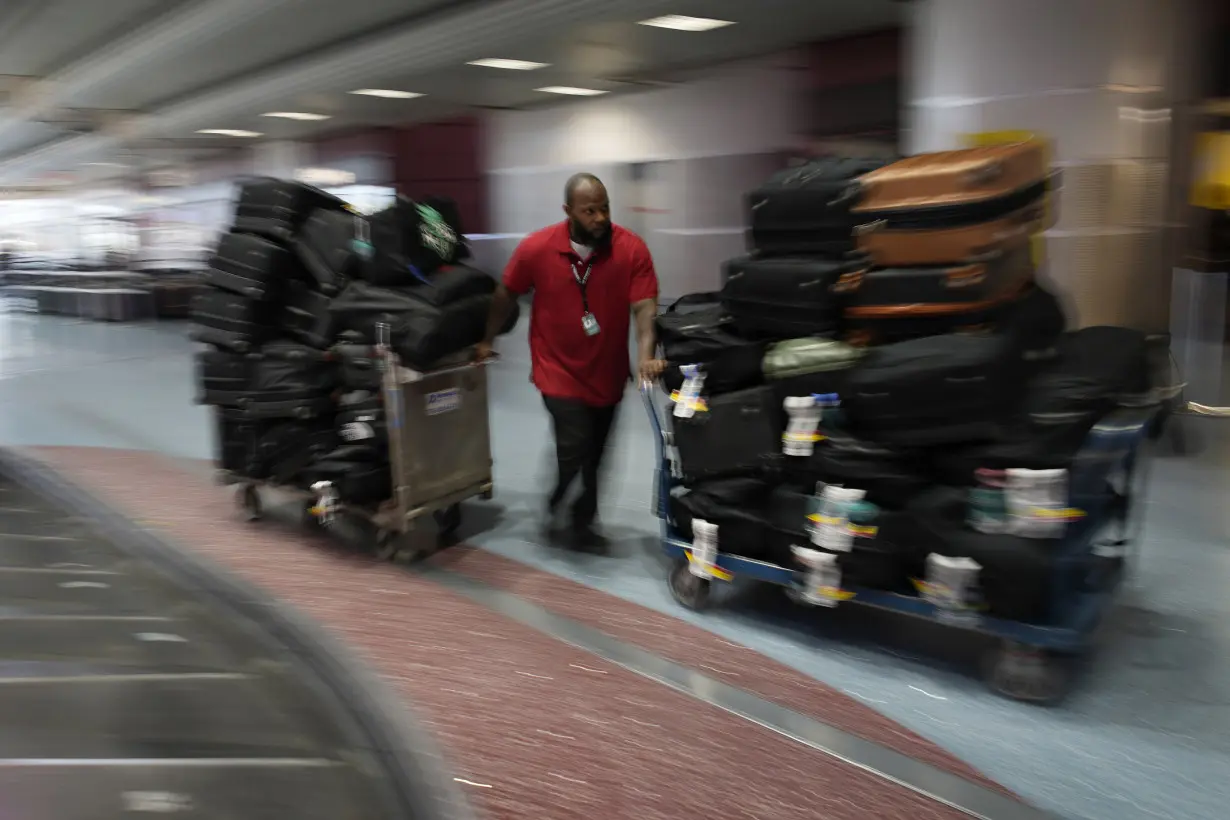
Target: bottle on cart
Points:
x,y
988,511
689,391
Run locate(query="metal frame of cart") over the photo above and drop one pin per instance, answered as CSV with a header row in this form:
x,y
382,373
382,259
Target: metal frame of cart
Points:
x,y
439,454
1031,662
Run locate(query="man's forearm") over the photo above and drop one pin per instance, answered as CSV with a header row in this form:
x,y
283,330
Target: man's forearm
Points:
x,y
501,305
646,312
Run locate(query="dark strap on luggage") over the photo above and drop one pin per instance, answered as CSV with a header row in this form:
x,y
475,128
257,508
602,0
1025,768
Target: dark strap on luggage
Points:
x,y
706,298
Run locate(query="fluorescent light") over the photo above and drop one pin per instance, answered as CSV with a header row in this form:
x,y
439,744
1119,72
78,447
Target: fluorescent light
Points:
x,y
297,115
681,22
230,132
511,65
386,93
570,91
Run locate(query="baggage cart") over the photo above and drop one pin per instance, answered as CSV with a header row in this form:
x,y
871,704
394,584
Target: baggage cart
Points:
x,y
439,445
1030,661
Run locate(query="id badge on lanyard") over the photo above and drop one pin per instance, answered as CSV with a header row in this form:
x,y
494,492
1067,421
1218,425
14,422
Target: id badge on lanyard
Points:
x,y
589,323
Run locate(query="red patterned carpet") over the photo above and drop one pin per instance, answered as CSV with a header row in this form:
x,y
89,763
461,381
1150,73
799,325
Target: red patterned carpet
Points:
x,y
534,727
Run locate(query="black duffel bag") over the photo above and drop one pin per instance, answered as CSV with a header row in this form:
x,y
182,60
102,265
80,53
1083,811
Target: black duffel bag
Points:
x,y
732,434
891,476
420,333
410,240
289,380
695,330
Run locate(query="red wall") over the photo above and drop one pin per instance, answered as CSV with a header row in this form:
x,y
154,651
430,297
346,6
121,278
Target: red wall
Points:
x,y
445,159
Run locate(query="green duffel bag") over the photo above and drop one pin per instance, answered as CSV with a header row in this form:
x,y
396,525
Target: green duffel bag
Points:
x,y
803,357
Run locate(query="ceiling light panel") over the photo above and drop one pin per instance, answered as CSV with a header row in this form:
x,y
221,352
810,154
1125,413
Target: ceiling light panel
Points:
x,y
510,65
570,91
300,116
681,22
230,132
387,93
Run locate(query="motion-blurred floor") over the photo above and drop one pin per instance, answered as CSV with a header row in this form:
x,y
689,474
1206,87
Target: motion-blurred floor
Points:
x,y
1147,734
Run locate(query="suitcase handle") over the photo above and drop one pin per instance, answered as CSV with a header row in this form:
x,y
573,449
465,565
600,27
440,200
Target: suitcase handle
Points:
x,y
852,192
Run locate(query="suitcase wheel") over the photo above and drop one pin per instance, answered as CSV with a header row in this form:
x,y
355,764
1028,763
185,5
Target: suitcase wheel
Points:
x,y
249,500
687,589
407,547
1027,673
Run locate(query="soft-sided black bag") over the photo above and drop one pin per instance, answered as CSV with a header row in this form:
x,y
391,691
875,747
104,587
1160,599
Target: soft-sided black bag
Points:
x,y
735,434
278,208
453,283
251,266
326,246
228,320
410,240
222,377
290,380
357,481
287,449
891,476
361,424
420,333
1096,369
937,390
306,316
695,330
754,519
236,442
783,298
806,210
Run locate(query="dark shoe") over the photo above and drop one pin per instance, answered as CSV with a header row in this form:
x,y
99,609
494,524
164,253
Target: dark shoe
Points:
x,y
588,539
553,530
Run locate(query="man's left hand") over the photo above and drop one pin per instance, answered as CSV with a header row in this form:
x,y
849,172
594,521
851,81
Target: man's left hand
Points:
x,y
651,370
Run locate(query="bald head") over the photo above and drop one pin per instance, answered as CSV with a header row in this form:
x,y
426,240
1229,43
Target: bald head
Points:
x,y
588,209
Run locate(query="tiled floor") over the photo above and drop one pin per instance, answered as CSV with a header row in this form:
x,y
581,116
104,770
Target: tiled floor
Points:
x,y
1147,735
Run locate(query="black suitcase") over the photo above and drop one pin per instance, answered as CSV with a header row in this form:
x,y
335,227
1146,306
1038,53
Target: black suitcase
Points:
x,y
1020,579
223,377
696,330
228,320
291,381
937,390
327,245
806,210
937,288
356,481
784,298
735,434
358,365
286,450
1096,369
237,437
410,240
251,266
278,208
305,316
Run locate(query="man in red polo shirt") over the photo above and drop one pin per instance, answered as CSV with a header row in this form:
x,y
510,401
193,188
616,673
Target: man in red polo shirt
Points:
x,y
590,278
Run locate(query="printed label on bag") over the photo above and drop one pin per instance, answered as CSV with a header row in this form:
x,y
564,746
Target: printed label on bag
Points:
x,y
443,401
358,431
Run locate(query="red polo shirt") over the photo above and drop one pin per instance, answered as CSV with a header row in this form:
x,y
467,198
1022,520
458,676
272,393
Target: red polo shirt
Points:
x,y
567,363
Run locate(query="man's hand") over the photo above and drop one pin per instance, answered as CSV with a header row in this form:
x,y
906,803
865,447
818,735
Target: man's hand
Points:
x,y
482,352
651,370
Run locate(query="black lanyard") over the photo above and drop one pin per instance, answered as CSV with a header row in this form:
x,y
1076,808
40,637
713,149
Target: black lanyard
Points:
x,y
582,280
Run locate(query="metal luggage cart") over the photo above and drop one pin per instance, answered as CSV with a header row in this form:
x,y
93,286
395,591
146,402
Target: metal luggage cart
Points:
x,y
439,454
1031,661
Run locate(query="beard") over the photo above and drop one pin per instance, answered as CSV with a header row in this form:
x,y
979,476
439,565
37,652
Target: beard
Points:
x,y
586,237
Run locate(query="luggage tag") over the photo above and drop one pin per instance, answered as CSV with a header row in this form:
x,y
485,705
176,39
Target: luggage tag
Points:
x,y
822,580
590,325
689,391
704,549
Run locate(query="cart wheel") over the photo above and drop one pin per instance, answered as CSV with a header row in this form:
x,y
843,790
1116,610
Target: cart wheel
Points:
x,y
1025,673
402,547
249,498
690,591
447,521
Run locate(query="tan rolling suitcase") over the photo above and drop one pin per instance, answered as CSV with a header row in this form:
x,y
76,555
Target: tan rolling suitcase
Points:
x,y
954,206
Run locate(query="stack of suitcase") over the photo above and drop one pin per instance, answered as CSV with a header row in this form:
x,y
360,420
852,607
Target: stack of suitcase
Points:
x,y
290,311
897,302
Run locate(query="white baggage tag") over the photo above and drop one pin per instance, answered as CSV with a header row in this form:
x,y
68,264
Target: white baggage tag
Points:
x,y
704,548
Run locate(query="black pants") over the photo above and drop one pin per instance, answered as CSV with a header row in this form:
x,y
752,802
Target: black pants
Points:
x,y
581,432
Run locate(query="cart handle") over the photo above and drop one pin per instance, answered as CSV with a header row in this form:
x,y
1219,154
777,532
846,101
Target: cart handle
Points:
x,y
413,375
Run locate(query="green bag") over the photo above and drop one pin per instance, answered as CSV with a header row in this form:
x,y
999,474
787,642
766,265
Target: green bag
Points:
x,y
800,357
